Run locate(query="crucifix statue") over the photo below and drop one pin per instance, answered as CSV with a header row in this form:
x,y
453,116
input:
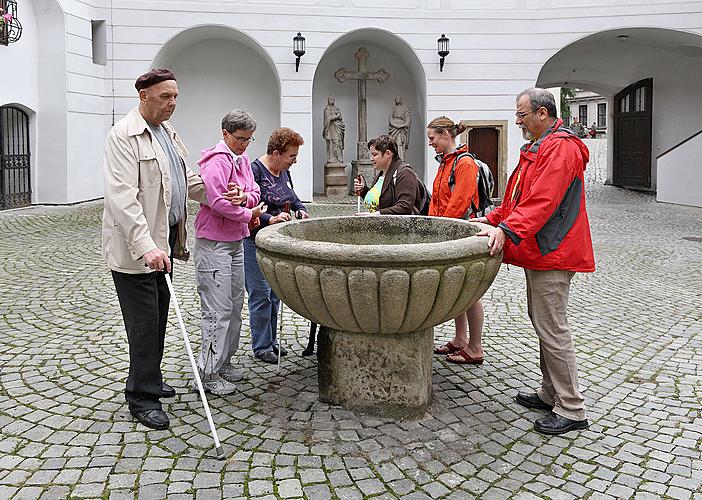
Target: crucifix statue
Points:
x,y
362,165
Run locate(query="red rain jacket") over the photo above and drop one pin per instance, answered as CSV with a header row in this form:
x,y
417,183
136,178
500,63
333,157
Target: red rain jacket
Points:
x,y
543,212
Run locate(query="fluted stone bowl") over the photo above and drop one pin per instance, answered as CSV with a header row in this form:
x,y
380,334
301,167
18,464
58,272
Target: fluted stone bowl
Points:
x,y
379,274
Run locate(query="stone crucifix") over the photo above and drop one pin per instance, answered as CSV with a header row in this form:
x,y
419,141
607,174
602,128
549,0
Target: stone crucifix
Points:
x,y
362,164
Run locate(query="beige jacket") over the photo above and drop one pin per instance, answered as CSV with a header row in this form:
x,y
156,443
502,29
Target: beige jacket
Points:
x,y
137,177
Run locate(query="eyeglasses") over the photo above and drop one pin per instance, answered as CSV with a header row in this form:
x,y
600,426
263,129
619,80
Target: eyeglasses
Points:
x,y
522,114
243,139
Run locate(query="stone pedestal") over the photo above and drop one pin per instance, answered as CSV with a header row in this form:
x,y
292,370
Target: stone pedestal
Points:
x,y
384,374
335,181
363,167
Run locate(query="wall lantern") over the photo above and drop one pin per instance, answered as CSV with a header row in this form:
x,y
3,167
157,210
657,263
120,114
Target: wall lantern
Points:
x,y
298,49
10,27
443,50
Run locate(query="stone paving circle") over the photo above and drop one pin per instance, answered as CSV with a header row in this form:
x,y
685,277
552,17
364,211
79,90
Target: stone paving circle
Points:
x,y
65,431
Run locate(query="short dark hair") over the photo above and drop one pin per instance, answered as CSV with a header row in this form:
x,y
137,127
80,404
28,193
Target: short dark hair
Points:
x,y
384,143
540,98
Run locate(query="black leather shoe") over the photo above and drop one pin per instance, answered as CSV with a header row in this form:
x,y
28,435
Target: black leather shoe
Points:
x,y
283,352
268,357
555,424
167,391
531,400
155,419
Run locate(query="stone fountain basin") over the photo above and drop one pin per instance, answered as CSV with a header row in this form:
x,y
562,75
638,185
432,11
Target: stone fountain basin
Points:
x,y
377,274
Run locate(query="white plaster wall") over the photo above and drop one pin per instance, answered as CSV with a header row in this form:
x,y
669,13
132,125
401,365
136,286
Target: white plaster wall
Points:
x,y
214,77
380,102
50,179
497,50
86,103
680,174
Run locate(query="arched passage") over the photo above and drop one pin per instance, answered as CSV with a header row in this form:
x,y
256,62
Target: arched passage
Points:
x,y
219,69
611,61
407,80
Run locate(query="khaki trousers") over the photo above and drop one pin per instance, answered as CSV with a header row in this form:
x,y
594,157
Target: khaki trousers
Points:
x,y
547,302
219,270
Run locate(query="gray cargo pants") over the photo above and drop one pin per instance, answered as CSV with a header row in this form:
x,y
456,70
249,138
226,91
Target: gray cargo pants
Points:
x,y
219,270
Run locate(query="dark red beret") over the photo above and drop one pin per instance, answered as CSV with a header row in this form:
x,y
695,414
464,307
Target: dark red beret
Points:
x,y
153,77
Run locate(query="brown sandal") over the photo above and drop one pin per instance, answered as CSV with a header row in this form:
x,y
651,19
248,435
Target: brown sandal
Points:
x,y
447,348
464,358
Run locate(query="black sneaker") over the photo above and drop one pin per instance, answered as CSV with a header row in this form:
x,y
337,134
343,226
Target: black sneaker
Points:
x,y
268,357
283,352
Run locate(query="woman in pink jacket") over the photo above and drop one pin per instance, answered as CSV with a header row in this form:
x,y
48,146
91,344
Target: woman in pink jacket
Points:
x,y
219,255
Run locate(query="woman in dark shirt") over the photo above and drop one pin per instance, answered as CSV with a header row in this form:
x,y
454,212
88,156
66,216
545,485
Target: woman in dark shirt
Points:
x,y
271,174
395,190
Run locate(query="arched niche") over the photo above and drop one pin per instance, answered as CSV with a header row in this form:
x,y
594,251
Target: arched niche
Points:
x,y
220,69
407,80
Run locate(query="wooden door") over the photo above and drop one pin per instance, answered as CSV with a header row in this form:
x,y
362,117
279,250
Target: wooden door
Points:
x,y
483,142
633,112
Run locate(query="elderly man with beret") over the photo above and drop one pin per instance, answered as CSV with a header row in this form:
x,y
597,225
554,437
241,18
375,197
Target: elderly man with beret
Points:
x,y
143,227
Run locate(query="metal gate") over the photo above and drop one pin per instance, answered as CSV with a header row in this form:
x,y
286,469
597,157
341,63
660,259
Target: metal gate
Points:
x,y
15,185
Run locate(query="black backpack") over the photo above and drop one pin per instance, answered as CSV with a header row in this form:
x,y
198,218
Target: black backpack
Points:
x,y
422,204
486,184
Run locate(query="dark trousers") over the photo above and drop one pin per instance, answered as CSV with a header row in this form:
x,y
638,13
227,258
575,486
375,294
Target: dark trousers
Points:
x,y
144,300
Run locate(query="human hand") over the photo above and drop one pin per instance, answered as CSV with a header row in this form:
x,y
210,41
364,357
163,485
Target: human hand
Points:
x,y
483,220
157,259
281,217
358,184
259,209
301,214
496,239
235,194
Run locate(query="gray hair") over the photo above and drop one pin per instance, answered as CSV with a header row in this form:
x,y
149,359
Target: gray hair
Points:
x,y
238,120
540,98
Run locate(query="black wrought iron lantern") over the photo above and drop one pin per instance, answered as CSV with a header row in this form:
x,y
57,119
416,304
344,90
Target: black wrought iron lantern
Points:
x,y
10,27
298,49
443,43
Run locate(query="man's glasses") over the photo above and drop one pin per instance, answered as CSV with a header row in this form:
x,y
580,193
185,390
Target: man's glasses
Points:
x,y
522,114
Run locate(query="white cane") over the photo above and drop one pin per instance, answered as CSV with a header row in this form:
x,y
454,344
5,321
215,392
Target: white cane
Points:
x,y
218,447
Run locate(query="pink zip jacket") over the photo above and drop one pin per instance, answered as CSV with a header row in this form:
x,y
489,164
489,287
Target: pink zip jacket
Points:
x,y
222,221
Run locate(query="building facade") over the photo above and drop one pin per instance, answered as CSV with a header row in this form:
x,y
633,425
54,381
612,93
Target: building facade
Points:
x,y
71,75
590,110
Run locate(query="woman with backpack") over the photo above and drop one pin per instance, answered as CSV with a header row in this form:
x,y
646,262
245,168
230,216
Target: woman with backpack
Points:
x,y
455,194
395,190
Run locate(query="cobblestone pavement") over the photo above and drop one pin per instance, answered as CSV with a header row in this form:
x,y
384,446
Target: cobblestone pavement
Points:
x,y
637,323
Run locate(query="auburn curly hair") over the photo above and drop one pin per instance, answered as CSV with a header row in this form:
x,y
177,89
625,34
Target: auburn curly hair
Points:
x,y
282,139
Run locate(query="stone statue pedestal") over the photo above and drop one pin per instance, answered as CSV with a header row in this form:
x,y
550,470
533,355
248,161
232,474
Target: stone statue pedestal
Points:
x,y
335,181
363,167
382,374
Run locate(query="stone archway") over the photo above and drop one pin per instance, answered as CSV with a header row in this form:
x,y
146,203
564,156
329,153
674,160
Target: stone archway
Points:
x,y
219,69
407,80
673,59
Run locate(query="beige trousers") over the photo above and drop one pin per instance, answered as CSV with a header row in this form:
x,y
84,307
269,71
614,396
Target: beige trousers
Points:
x,y
547,302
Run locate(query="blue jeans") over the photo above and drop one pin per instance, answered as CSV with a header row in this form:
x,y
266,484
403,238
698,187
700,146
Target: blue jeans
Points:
x,y
263,303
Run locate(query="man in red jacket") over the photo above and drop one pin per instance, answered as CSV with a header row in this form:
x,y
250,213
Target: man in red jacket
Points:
x,y
542,226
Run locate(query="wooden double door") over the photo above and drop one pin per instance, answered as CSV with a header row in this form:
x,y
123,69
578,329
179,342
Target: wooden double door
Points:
x,y
633,112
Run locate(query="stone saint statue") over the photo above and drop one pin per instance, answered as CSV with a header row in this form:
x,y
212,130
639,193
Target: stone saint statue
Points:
x,y
333,132
399,126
